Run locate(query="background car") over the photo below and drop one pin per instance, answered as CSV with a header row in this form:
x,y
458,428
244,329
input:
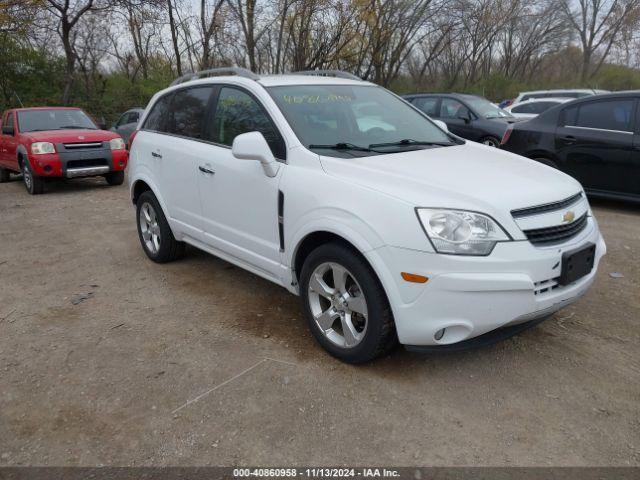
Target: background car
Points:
x,y
593,139
534,107
468,116
562,93
127,123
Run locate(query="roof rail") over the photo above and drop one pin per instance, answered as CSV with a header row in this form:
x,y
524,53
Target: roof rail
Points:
x,y
328,73
241,72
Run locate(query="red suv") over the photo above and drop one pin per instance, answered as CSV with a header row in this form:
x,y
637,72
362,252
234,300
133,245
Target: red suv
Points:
x,y
58,142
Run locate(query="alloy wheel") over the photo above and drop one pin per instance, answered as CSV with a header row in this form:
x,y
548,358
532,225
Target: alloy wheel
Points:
x,y
338,304
149,228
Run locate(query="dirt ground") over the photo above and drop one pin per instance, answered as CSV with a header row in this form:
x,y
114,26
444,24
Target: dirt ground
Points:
x,y
109,359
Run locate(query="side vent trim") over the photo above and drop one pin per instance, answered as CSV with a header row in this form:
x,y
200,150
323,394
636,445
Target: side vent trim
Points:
x,y
281,219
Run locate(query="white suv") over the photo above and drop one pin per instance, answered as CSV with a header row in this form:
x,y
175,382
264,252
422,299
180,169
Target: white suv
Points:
x,y
389,227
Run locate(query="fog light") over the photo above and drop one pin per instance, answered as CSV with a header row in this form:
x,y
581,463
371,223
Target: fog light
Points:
x,y
121,163
439,334
48,169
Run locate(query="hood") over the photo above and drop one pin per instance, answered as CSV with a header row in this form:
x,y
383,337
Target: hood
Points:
x,y
71,136
470,176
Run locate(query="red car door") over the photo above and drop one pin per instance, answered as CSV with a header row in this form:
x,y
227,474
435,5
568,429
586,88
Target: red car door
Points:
x,y
8,149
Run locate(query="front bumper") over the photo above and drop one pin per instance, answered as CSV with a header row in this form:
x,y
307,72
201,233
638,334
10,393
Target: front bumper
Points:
x,y
79,163
470,296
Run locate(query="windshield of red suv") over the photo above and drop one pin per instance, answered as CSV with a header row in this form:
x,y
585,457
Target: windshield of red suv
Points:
x,y
53,119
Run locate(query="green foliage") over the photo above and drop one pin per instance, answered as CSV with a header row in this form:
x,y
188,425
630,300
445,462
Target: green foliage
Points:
x,y
617,77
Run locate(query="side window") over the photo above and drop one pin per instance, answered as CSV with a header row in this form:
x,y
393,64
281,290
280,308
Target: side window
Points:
x,y
237,113
607,115
427,105
188,112
134,117
157,118
526,108
526,97
9,122
123,120
451,108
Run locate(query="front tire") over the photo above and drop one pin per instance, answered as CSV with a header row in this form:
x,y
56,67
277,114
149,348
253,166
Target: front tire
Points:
x,y
115,178
155,234
346,307
33,183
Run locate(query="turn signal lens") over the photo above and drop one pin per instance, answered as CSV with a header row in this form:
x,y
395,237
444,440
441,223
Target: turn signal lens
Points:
x,y
414,278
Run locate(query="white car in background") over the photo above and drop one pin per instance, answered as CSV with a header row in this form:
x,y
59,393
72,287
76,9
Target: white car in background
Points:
x,y
559,93
387,226
534,107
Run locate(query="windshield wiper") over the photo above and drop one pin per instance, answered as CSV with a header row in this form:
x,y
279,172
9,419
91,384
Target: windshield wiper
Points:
x,y
342,146
75,127
409,142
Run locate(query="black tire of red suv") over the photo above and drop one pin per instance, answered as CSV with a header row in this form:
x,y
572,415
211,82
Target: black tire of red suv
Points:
x,y
5,175
115,178
380,335
33,183
170,249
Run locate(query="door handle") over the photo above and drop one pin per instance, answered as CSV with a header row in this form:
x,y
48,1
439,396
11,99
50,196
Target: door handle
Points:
x,y
206,170
156,155
569,139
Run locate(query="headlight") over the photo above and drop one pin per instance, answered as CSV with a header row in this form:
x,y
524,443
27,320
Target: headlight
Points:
x,y
117,144
460,232
39,148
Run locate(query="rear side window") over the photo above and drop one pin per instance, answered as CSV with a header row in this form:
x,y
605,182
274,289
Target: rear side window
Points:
x,y
237,113
157,118
427,105
526,108
188,112
534,107
605,115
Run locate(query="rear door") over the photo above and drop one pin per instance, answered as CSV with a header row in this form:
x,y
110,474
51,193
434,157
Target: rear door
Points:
x,y
171,144
594,143
9,145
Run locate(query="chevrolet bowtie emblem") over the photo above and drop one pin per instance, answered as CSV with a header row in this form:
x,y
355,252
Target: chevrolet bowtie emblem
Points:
x,y
568,217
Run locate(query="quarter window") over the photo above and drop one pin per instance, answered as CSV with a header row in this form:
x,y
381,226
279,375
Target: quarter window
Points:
x,y
607,115
237,113
188,112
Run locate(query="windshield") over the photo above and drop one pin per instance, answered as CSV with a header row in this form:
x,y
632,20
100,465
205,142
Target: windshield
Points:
x,y
352,120
486,109
53,119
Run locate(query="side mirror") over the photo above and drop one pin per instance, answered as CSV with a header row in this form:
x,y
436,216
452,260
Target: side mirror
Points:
x,y
102,125
441,124
8,130
253,146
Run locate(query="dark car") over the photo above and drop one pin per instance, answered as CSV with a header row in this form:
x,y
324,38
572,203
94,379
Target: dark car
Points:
x,y
127,123
594,139
468,116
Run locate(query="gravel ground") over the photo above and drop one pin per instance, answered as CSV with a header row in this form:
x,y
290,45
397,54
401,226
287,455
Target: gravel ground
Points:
x,y
109,359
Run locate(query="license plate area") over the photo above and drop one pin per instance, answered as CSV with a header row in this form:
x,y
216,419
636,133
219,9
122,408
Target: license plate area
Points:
x,y
577,263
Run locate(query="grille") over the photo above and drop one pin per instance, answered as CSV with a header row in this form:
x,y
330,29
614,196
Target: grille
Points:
x,y
557,233
547,207
94,162
83,146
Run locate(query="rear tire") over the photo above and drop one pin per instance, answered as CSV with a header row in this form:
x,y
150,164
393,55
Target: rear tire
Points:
x,y
490,142
357,323
33,183
115,178
5,175
155,234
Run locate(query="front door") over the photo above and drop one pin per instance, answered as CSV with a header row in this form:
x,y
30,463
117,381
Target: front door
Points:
x,y
594,143
240,202
9,145
458,118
